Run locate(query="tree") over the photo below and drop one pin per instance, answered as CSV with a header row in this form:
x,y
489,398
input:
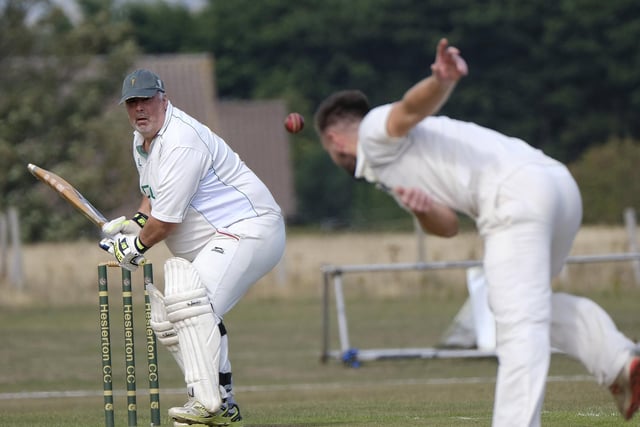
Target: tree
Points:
x,y
561,75
609,179
162,27
57,82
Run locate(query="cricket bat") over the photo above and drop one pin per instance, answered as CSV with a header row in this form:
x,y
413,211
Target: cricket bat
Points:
x,y
69,193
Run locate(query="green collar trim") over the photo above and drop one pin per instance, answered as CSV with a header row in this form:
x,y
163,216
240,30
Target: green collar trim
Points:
x,y
141,151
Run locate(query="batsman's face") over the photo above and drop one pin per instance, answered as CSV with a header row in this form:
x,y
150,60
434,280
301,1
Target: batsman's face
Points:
x,y
146,115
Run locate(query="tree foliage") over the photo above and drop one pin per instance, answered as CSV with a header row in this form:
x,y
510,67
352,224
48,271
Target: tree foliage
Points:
x,y
562,75
609,178
57,82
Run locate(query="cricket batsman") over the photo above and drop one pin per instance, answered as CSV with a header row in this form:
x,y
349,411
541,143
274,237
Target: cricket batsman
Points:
x,y
220,222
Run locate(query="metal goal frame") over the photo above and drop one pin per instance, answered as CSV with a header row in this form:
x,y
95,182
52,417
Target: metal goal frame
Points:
x,y
333,274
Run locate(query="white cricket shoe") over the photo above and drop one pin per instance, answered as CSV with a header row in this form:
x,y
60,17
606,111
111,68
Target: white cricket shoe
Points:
x,y
193,413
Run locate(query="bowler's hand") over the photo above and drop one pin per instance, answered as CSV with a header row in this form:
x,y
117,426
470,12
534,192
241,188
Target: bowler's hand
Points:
x,y
414,199
434,217
449,67
129,250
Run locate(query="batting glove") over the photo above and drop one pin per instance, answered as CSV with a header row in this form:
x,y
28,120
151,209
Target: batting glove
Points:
x,y
106,244
129,250
125,226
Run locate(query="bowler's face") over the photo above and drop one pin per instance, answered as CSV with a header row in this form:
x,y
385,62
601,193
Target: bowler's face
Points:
x,y
337,153
146,115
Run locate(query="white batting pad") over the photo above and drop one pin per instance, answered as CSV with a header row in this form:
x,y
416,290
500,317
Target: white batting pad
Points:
x,y
189,310
180,276
166,334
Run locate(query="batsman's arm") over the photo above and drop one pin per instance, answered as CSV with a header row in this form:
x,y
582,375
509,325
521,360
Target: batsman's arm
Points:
x,y
155,231
145,206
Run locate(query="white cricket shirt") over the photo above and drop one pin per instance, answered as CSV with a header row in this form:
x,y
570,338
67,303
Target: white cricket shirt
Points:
x,y
192,177
459,164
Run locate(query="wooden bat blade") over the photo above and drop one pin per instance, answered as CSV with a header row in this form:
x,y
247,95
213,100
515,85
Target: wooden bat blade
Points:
x,y
69,193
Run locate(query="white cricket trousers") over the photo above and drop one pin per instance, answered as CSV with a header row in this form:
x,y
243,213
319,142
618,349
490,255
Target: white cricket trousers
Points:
x,y
527,239
233,261
237,257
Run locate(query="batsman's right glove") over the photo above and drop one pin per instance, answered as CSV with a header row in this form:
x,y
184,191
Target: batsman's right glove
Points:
x,y
129,250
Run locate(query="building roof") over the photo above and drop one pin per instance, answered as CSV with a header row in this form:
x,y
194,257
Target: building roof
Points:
x,y
253,129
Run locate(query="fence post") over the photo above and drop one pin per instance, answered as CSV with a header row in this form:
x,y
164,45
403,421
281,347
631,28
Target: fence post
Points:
x,y
630,224
420,241
3,246
16,273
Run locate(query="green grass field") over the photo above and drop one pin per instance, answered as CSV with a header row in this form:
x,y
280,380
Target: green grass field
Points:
x,y
50,367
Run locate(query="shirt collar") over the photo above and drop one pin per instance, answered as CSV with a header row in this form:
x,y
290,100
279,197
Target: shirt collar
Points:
x,y
167,117
139,140
363,170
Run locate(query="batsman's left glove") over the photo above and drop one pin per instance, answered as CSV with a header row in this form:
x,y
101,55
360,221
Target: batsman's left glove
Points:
x,y
124,225
129,250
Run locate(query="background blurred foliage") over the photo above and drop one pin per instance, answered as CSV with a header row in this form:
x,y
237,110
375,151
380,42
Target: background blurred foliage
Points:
x,y
608,177
57,88
562,75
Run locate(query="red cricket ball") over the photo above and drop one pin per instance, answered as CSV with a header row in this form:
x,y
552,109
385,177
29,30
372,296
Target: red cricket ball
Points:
x,y
294,122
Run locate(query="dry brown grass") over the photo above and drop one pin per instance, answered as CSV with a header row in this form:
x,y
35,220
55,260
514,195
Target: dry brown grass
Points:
x,y
66,273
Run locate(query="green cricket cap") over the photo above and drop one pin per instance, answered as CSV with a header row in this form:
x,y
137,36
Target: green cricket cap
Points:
x,y
141,84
